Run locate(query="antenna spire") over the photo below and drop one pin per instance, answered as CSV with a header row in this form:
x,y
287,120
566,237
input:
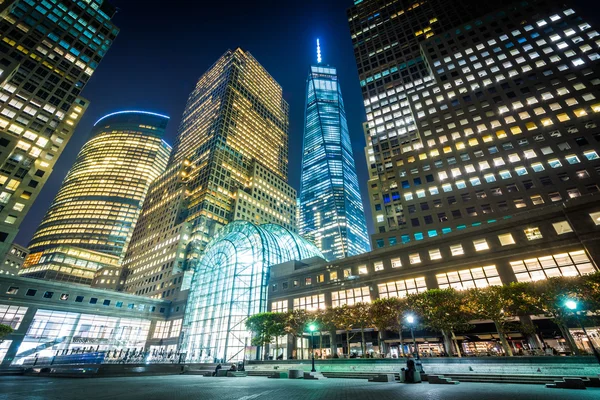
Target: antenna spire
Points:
x,y
318,52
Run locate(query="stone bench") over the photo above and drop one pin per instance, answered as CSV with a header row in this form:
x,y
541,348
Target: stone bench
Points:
x,y
222,373
568,383
295,374
236,374
441,380
279,375
403,377
383,378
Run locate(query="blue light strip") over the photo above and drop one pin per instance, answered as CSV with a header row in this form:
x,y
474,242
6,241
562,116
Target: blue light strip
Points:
x,y
131,112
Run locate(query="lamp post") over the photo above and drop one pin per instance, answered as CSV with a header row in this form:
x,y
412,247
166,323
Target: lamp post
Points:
x,y
572,305
411,322
312,328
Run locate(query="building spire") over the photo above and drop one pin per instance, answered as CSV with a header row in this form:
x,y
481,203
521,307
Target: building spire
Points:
x,y
318,52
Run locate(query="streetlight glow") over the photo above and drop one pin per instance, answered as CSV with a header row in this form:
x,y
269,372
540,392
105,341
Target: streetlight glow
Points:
x,y
571,304
312,327
410,319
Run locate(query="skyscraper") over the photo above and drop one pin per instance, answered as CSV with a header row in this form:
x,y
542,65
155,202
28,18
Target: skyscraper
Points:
x,y
331,211
386,37
504,121
90,222
229,163
48,52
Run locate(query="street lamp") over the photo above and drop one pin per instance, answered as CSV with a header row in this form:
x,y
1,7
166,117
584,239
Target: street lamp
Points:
x,y
411,322
312,328
572,305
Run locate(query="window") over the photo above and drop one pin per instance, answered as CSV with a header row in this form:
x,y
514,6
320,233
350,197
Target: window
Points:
x,y
469,278
30,292
435,254
93,300
119,304
347,272
402,288
11,316
310,303
415,258
565,264
595,217
562,227
279,306
480,244
106,303
533,233
64,296
506,239
333,275
308,281
396,262
320,278
350,296
12,290
362,270
457,250
79,299
378,266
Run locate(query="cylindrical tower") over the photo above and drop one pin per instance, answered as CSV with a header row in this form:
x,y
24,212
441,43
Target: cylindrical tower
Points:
x,y
90,222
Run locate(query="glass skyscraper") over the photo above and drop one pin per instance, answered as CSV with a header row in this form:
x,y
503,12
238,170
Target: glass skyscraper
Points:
x,y
48,52
91,220
331,211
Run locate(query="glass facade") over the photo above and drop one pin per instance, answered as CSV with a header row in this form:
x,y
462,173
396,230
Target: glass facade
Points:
x,y
331,211
91,219
230,284
48,52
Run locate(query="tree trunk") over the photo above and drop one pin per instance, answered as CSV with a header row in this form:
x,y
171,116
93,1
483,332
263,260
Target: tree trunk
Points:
x,y
447,344
276,347
401,352
348,342
569,338
502,336
333,342
363,345
532,336
456,346
381,344
301,347
320,344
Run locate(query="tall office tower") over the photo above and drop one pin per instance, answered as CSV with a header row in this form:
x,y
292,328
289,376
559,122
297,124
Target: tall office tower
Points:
x,y
90,222
232,149
506,120
386,37
331,210
49,50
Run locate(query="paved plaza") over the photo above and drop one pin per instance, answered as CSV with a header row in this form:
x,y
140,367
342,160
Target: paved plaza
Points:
x,y
250,388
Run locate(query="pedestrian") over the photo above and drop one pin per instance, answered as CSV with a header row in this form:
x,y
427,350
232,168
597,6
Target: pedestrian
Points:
x,y
217,368
410,371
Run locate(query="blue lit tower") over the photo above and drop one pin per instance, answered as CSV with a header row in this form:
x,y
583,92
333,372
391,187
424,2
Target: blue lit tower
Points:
x,y
331,211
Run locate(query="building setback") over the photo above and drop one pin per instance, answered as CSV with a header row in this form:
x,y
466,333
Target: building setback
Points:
x,y
331,213
48,52
229,163
88,226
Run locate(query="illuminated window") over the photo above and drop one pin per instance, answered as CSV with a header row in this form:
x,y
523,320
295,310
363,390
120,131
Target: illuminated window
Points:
x,y
562,227
320,278
310,303
333,275
480,244
396,262
457,250
533,233
279,306
469,278
402,288
595,217
362,270
565,264
435,254
415,258
350,297
506,239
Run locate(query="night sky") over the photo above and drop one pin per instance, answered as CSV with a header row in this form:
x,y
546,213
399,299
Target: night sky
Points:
x,y
165,46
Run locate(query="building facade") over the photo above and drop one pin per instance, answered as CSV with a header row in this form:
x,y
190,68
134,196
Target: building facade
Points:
x,y
562,240
331,211
48,52
91,220
229,163
13,260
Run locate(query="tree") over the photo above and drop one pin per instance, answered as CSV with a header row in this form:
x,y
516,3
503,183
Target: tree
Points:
x,y
265,327
441,310
549,296
342,319
494,303
295,322
325,319
387,314
361,315
5,330
590,292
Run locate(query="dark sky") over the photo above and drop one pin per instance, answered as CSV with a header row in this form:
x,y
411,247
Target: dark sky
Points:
x,y
165,46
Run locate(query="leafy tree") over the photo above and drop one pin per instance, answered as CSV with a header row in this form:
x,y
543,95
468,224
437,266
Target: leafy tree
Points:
x,y
342,319
325,320
590,292
5,330
441,310
361,315
295,323
494,303
265,327
549,296
387,314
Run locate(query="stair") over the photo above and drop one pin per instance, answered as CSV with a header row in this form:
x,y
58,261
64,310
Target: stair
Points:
x,y
441,380
314,376
568,383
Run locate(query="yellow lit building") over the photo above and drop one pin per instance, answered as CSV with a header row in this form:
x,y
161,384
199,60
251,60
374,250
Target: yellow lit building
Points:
x,y
100,200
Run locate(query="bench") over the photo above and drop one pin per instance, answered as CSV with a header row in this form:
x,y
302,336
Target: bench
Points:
x,y
383,378
296,374
278,375
236,374
403,377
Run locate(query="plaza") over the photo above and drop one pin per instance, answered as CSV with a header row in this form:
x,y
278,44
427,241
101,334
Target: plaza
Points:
x,y
196,387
